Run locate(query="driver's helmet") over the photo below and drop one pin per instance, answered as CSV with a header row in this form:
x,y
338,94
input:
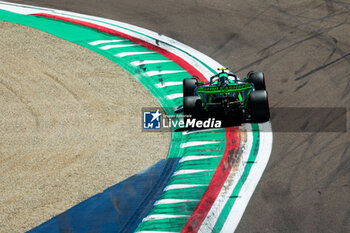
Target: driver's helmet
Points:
x,y
223,79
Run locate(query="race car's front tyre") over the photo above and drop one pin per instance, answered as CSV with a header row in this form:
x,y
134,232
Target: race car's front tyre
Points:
x,y
189,85
192,106
258,79
259,106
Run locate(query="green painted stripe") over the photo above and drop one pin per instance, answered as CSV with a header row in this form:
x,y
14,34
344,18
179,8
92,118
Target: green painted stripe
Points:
x,y
194,178
172,89
171,225
199,165
185,208
188,193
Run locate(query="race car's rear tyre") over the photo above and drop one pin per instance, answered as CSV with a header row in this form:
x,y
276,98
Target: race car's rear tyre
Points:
x,y
258,79
192,106
259,106
189,85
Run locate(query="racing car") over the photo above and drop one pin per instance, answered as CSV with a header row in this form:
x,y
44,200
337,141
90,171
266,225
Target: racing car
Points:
x,y
226,96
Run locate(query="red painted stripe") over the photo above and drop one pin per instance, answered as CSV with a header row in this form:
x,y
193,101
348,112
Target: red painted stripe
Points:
x,y
178,60
233,140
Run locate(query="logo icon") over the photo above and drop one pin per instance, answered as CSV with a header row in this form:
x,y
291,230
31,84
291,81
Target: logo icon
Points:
x,y
152,120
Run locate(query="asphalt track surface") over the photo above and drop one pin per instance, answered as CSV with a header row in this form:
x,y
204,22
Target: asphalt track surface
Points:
x,y
303,47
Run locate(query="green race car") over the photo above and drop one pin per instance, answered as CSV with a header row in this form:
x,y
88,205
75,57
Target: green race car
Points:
x,y
225,96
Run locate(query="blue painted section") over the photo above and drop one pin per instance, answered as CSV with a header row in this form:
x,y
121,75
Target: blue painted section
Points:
x,y
119,208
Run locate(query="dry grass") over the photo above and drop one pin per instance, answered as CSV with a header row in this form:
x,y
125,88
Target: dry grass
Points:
x,y
69,125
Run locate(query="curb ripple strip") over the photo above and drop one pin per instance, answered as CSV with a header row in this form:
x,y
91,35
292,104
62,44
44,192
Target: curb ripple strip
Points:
x,y
201,153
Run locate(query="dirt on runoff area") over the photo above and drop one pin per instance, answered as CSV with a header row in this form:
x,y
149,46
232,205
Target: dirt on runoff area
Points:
x,y
69,125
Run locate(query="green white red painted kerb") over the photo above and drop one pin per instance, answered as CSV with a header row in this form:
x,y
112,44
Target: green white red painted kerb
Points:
x,y
150,57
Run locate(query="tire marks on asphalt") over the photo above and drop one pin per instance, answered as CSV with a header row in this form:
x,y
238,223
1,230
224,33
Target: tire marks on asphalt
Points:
x,y
322,67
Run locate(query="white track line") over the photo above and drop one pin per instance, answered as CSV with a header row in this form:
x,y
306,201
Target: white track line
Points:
x,y
174,96
182,186
197,143
162,216
201,131
173,201
98,42
125,54
190,171
157,232
197,157
161,72
144,62
107,47
168,84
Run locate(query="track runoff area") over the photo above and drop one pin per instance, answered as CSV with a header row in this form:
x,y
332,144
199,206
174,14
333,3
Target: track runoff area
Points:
x,y
205,183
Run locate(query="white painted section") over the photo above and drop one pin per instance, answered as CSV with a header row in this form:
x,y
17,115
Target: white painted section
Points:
x,y
161,72
106,47
253,178
168,84
125,54
201,130
98,42
158,232
197,157
190,171
197,143
182,186
144,62
174,96
162,216
173,201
